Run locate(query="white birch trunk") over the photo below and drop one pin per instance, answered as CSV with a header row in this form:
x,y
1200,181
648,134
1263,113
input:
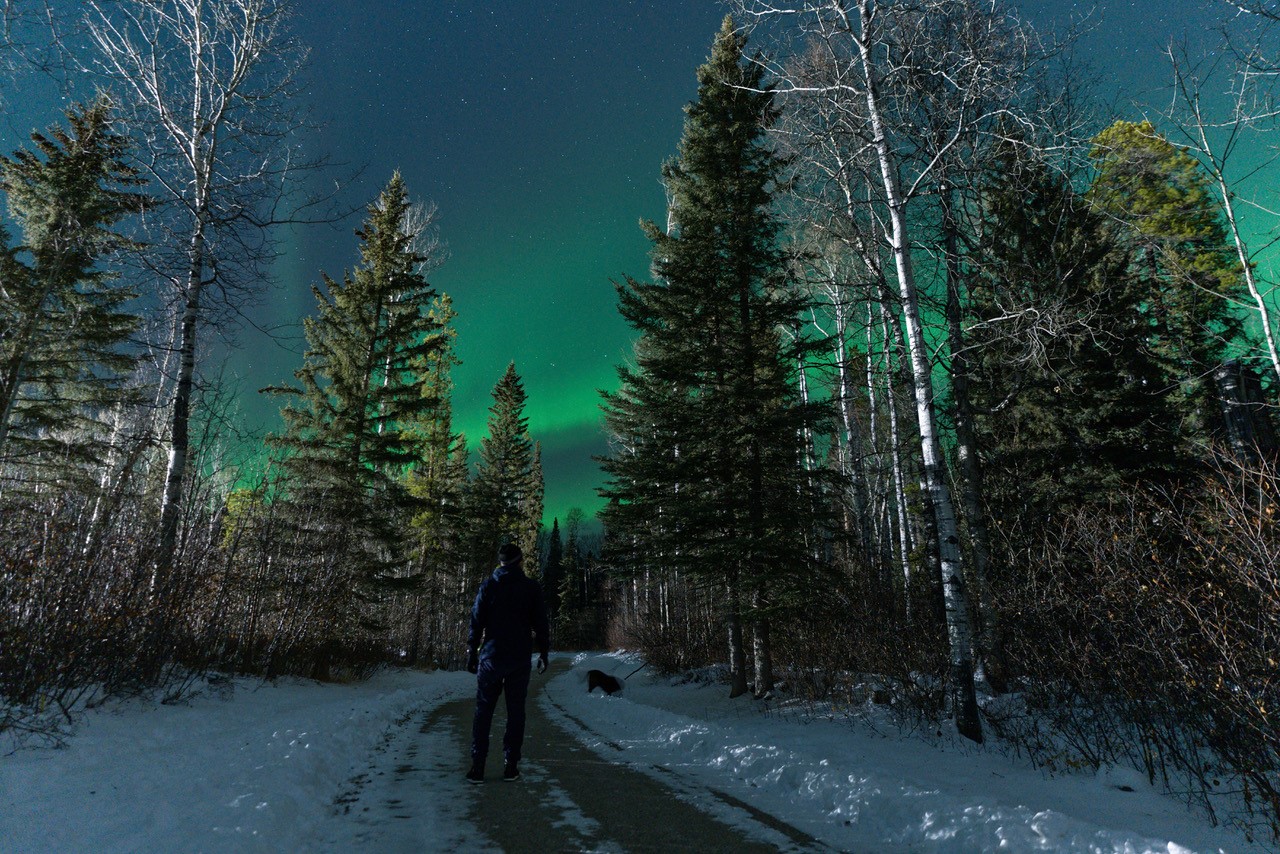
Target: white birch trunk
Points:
x,y
1250,278
180,409
901,511
959,633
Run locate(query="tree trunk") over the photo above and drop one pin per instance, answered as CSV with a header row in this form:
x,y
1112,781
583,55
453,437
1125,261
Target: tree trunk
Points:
x,y
737,652
1246,267
901,508
853,444
989,653
959,633
762,651
883,512
180,413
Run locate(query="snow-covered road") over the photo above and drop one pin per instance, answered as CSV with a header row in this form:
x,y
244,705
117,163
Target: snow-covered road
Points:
x,y
568,798
301,766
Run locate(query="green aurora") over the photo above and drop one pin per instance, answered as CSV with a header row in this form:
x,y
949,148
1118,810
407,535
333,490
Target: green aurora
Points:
x,y
538,128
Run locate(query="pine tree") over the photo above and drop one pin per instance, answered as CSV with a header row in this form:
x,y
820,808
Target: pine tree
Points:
x,y
507,489
64,328
1075,404
707,473
355,430
573,583
438,482
1163,204
438,478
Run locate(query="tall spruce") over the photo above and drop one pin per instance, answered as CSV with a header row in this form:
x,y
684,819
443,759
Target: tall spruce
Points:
x,y
438,477
572,592
353,430
64,325
707,470
1074,402
1162,203
507,489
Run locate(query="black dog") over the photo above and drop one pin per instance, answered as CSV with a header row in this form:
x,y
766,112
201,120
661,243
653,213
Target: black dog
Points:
x,y
609,684
600,679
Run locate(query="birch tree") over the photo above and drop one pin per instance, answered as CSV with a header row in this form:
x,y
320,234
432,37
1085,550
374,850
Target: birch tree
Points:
x,y
205,84
1220,133
918,88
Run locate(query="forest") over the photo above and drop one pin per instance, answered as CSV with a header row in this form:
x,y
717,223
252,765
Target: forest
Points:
x,y
952,391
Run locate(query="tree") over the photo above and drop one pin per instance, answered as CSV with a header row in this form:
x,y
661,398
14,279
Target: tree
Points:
x,y
435,477
1220,132
1072,400
507,489
914,93
64,328
553,571
1181,251
355,431
205,84
571,595
708,469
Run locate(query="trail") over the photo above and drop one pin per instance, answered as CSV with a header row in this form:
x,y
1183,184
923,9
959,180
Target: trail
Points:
x,y
569,798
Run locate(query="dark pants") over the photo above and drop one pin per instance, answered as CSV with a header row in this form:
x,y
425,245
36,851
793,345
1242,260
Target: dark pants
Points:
x,y
491,682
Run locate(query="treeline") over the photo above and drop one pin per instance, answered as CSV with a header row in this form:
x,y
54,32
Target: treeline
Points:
x,y
144,539
950,396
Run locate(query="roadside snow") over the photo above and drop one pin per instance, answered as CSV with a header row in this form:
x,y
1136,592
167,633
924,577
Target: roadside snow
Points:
x,y
258,771
262,770
858,791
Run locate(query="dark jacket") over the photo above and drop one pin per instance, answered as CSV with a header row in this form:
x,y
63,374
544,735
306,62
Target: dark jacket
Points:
x,y
510,613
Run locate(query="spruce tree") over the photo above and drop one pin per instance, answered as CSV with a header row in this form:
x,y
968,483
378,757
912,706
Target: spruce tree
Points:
x,y
707,470
573,582
64,325
507,489
355,428
1162,204
439,476
1075,407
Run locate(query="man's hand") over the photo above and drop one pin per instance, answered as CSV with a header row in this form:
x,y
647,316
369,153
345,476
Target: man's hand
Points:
x,y
473,660
542,663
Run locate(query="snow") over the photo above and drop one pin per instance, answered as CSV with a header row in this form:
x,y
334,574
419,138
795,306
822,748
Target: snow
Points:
x,y
263,767
856,790
257,770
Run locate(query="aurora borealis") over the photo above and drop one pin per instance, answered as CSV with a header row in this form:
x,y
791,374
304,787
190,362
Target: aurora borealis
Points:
x,y
538,128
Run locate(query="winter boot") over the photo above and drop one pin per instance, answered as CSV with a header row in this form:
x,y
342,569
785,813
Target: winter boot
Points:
x,y
510,773
476,774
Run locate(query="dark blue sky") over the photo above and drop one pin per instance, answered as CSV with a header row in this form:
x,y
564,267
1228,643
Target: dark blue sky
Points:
x,y
538,127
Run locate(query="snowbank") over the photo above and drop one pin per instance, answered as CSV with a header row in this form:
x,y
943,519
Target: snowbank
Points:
x,y
257,771
858,791
262,769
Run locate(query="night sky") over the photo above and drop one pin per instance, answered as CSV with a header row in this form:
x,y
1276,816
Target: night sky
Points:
x,y
538,127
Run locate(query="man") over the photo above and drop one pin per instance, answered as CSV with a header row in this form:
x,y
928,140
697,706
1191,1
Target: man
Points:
x,y
510,614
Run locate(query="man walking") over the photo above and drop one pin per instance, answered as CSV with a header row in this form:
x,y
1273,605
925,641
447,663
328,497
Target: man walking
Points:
x,y
509,615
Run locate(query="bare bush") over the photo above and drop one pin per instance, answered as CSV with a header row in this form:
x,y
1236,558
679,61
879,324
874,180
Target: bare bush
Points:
x,y
1150,636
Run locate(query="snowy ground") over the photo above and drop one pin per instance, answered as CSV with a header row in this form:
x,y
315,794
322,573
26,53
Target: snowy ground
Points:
x,y
267,769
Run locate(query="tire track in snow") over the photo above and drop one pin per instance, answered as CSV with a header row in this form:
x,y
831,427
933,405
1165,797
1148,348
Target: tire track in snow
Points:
x,y
413,796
